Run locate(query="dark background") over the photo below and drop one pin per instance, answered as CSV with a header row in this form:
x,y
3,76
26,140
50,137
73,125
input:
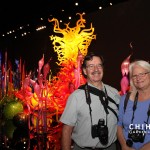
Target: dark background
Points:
x,y
116,27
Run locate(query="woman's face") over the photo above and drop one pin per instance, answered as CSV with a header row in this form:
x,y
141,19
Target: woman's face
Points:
x,y
140,77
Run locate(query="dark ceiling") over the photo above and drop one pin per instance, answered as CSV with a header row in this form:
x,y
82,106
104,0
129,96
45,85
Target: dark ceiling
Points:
x,y
19,13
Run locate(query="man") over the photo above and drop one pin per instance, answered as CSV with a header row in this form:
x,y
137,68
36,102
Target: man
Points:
x,y
90,115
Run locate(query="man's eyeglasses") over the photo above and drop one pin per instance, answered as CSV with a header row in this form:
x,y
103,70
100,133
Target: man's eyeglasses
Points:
x,y
140,75
92,67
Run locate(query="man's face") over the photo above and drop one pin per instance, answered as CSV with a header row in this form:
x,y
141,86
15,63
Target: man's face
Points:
x,y
94,70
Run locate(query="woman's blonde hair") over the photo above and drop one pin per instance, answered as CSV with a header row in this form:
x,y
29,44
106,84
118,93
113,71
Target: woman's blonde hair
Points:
x,y
142,63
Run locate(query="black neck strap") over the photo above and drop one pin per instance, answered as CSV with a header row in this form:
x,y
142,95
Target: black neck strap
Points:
x,y
103,96
88,100
98,92
134,106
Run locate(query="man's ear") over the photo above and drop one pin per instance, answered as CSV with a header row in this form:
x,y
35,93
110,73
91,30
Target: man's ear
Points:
x,y
84,71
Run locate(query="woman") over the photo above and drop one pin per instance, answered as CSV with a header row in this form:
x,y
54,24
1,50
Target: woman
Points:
x,y
133,129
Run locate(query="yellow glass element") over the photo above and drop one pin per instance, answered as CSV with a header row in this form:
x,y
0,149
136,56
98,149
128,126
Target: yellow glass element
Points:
x,y
34,100
72,40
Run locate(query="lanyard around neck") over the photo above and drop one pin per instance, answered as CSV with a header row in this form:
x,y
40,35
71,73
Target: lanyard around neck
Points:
x,y
134,106
88,100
